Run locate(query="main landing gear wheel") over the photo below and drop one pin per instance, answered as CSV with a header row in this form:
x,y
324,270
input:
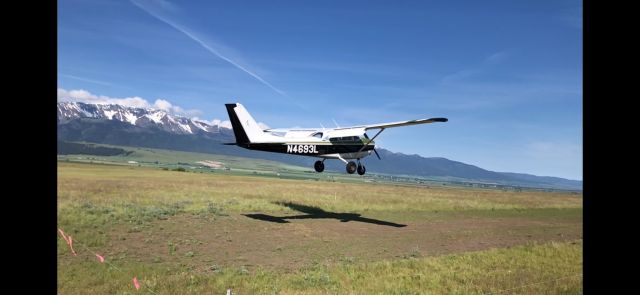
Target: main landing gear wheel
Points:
x,y
319,166
361,169
351,167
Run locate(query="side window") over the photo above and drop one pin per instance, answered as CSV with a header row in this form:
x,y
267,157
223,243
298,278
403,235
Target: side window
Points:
x,y
345,139
317,134
350,138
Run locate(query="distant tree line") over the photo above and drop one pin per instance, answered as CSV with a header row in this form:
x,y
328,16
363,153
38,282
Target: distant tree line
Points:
x,y
74,148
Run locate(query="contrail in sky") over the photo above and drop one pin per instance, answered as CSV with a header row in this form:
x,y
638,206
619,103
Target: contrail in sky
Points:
x,y
207,47
85,79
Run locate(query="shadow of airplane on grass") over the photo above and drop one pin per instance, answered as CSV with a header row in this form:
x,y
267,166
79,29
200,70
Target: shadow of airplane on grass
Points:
x,y
317,213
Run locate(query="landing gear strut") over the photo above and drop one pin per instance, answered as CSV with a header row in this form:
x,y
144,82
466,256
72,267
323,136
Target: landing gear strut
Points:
x,y
319,165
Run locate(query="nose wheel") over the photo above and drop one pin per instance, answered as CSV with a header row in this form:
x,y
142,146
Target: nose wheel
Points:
x,y
319,166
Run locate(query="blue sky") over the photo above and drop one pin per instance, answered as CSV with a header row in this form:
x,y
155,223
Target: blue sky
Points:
x,y
507,74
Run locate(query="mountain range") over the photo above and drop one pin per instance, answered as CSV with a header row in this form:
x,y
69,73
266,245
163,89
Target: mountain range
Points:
x,y
128,126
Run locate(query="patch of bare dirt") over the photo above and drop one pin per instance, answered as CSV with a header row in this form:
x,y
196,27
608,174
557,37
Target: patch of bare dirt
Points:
x,y
294,241
211,164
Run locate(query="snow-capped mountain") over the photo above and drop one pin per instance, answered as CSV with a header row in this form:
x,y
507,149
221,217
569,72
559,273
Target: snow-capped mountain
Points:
x,y
140,117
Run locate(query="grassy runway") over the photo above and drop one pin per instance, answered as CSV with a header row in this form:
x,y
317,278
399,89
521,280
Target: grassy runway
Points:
x,y
184,232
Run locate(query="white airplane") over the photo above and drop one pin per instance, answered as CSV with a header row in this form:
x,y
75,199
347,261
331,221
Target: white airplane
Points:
x,y
343,143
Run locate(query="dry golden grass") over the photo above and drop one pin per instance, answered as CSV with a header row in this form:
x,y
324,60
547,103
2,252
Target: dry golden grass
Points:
x,y
107,185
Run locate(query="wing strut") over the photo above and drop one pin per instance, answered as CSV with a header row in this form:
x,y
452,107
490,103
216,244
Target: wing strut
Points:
x,y
370,140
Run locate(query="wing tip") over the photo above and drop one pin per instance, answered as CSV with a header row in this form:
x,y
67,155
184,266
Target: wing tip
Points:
x,y
439,119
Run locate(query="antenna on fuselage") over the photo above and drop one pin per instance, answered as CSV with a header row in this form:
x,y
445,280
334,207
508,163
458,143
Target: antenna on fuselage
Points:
x,y
334,122
322,127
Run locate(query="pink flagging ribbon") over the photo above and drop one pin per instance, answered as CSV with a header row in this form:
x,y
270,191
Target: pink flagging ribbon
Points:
x,y
71,246
68,240
136,283
63,236
100,258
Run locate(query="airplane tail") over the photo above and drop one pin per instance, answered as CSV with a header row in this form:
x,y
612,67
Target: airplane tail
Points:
x,y
244,126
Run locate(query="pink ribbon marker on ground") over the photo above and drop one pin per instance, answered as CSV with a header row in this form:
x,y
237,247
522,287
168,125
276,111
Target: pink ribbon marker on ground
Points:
x,y
135,283
69,241
100,258
71,246
63,236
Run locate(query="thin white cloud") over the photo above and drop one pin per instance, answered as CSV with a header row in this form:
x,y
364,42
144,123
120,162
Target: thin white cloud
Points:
x,y
85,79
150,10
459,75
482,68
81,95
163,105
497,57
225,124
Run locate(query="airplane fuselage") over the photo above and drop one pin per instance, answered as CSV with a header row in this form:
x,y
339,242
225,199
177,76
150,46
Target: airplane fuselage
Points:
x,y
344,143
322,149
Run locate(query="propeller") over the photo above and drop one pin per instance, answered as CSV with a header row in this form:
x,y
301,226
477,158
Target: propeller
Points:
x,y
374,147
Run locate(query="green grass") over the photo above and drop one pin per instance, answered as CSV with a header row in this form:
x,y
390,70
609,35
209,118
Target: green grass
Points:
x,y
94,201
172,159
101,195
104,185
552,268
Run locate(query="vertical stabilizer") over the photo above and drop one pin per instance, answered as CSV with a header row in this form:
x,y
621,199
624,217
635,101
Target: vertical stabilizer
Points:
x,y
245,128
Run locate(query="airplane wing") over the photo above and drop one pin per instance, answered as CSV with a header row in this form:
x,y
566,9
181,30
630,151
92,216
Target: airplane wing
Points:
x,y
396,124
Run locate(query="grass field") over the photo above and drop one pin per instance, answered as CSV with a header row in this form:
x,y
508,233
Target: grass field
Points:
x,y
231,165
204,233
171,159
